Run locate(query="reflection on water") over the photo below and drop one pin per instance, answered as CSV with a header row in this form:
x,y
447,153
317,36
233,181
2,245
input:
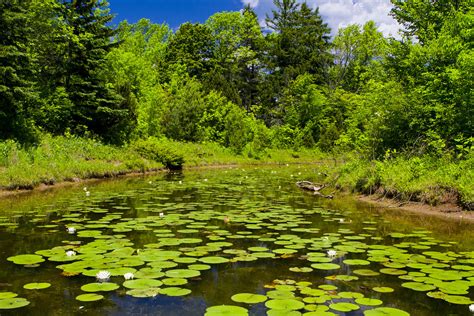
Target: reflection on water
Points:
x,y
222,213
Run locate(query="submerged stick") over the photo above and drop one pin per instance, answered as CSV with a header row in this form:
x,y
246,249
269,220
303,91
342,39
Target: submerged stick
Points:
x,y
315,188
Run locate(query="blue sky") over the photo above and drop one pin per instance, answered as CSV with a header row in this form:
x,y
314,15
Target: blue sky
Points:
x,y
173,12
337,13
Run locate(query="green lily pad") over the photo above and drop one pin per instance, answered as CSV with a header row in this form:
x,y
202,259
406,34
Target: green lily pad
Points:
x,y
214,260
385,311
282,312
285,304
368,301
4,295
350,295
416,286
344,307
366,272
182,273
226,310
92,297
199,267
142,293
142,283
382,289
36,286
13,302
174,281
175,291
325,266
248,298
301,269
356,262
26,259
100,287
457,299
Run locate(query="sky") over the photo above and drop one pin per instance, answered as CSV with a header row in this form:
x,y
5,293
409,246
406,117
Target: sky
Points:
x,y
337,13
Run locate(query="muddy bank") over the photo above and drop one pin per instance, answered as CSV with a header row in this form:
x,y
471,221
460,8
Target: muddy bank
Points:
x,y
449,211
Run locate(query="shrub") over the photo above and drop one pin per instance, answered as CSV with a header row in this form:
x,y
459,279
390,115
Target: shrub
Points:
x,y
161,151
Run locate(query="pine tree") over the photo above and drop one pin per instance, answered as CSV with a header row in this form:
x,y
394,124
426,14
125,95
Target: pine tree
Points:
x,y
96,105
15,87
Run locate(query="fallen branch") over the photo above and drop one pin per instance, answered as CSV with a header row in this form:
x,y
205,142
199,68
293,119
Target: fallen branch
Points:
x,y
315,188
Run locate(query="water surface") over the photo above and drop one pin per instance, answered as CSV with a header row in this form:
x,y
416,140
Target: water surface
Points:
x,y
133,223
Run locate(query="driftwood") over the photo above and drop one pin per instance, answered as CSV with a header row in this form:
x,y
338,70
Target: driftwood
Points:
x,y
315,188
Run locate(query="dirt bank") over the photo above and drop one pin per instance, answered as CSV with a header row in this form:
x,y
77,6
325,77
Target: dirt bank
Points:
x,y
448,210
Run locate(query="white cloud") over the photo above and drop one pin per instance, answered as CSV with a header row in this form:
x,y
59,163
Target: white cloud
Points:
x,y
252,3
340,13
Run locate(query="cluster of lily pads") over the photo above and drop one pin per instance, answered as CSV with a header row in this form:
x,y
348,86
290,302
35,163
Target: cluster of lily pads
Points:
x,y
292,298
185,238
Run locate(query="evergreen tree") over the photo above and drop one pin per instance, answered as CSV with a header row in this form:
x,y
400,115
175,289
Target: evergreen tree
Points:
x,y
15,87
97,108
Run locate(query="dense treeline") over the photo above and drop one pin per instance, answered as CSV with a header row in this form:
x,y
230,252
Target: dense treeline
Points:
x,y
66,70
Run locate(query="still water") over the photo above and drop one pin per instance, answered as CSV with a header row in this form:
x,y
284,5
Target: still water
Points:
x,y
194,240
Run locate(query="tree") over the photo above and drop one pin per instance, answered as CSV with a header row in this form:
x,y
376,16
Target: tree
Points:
x,y
97,108
15,71
424,19
357,52
192,45
237,40
299,45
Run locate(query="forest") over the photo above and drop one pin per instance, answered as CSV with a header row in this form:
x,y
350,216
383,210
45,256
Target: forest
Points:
x,y
397,110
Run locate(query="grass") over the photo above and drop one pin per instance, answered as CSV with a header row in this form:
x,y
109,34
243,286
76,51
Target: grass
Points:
x,y
427,179
57,159
431,180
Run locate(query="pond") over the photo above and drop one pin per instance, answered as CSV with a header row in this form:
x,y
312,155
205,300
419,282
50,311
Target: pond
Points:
x,y
227,241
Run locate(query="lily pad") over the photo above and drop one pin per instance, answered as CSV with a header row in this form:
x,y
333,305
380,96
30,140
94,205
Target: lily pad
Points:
x,y
174,281
325,266
26,259
175,291
382,289
417,286
141,293
344,307
36,286
182,273
14,302
368,301
385,311
4,295
249,298
224,310
89,297
356,262
214,260
142,283
100,287
285,304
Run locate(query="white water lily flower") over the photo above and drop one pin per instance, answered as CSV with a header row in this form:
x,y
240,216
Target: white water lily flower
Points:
x,y
471,308
71,230
103,275
88,193
162,214
85,189
70,253
332,253
129,276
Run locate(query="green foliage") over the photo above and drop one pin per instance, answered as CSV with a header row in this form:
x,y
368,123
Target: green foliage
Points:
x,y
16,93
161,151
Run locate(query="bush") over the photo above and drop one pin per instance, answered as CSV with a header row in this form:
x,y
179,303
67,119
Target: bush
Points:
x,y
161,151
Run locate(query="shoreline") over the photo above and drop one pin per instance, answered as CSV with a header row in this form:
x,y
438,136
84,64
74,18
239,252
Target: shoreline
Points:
x,y
447,211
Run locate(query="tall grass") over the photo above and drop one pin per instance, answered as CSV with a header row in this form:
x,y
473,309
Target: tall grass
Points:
x,y
432,180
